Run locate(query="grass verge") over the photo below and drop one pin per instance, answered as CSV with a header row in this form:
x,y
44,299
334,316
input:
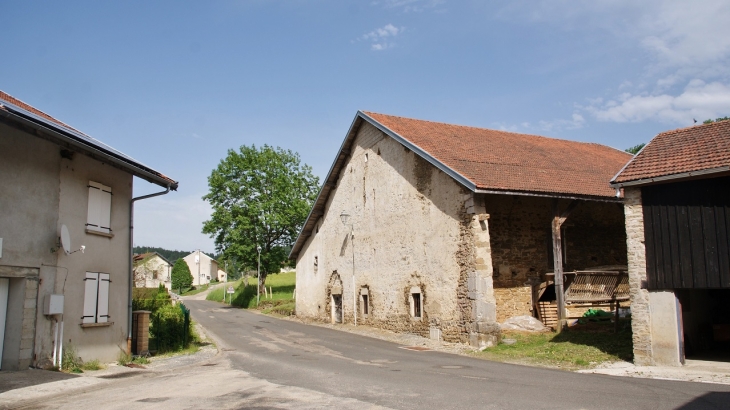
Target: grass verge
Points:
x,y
280,301
196,290
580,347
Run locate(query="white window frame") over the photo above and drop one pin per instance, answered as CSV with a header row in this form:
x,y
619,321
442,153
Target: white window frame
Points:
x,y
96,298
98,216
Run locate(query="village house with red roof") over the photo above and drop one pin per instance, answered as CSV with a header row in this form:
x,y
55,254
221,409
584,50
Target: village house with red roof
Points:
x,y
677,207
446,230
66,247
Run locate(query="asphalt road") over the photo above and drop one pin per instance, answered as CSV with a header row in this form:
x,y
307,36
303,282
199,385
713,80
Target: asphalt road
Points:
x,y
348,366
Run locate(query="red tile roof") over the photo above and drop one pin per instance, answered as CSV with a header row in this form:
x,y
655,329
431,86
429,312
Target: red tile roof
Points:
x,y
507,161
697,148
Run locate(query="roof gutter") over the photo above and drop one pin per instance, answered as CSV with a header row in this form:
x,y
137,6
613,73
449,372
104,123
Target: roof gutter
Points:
x,y
66,139
131,262
683,175
546,195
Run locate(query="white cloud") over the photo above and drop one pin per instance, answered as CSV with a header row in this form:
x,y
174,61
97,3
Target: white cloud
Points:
x,y
698,100
408,6
172,221
688,45
382,38
575,122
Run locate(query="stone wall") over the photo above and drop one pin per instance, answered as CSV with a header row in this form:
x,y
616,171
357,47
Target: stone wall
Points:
x,y
640,311
514,301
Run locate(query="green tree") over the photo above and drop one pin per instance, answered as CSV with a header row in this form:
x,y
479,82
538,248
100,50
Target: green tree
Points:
x,y
260,197
710,121
181,276
635,149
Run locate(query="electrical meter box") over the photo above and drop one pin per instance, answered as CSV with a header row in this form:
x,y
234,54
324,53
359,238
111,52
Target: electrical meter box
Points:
x,y
53,305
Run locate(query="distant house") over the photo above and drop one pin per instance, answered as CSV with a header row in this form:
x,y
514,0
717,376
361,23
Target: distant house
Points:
x,y
152,270
202,267
222,275
65,252
677,193
453,226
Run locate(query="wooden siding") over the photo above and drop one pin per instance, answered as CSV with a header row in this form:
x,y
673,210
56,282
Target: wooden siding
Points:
x,y
687,234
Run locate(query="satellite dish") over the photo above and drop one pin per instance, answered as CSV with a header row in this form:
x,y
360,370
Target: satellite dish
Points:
x,y
65,240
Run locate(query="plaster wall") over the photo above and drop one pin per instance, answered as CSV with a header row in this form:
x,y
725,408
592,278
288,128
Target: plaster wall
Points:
x,y
410,229
203,272
29,197
103,254
29,189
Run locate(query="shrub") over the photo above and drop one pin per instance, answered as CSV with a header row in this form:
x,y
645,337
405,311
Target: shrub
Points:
x,y
170,329
150,299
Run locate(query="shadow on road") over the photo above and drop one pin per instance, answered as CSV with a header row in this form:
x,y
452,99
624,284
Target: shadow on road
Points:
x,y
712,400
11,380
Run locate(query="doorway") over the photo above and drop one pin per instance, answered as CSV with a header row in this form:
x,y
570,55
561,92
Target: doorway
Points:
x,y
336,308
705,323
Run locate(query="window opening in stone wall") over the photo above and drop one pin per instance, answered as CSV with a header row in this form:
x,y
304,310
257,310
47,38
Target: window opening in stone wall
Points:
x,y
364,302
366,157
416,302
337,308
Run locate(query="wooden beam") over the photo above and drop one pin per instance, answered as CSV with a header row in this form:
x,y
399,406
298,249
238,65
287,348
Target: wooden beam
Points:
x,y
558,219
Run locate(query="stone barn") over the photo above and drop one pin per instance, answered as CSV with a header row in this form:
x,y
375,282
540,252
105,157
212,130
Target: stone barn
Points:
x,y
446,230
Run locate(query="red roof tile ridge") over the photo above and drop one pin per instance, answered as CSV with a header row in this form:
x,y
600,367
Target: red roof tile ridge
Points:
x,y
9,98
370,113
692,127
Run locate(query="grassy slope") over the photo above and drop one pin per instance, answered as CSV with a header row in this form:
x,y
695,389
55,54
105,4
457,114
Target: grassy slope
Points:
x,y
281,301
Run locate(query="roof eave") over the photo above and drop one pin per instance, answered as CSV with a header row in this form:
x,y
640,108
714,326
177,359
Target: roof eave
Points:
x,y
466,182
59,135
329,182
671,177
596,198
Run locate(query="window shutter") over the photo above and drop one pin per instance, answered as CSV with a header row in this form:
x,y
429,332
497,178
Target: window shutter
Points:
x,y
91,287
102,310
99,212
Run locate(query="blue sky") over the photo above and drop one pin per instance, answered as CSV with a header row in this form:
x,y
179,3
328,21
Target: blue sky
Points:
x,y
176,84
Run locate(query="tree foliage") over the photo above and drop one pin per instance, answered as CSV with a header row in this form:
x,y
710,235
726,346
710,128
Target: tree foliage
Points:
x,y
181,276
710,121
260,197
168,254
635,149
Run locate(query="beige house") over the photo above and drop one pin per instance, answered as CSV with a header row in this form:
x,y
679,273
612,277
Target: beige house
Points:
x,y
202,267
65,252
152,270
677,207
222,276
446,230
